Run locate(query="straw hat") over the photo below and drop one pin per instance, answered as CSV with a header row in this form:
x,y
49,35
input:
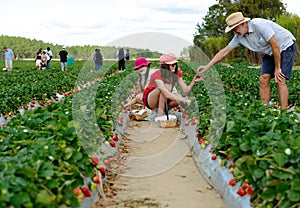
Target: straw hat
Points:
x,y
234,20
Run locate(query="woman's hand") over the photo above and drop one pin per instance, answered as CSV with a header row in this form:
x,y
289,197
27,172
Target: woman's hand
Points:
x,y
198,77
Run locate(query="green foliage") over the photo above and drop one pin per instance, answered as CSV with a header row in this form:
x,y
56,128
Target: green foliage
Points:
x,y
257,137
27,48
214,45
292,23
43,158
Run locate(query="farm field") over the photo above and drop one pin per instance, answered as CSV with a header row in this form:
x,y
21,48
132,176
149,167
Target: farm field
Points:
x,y
58,145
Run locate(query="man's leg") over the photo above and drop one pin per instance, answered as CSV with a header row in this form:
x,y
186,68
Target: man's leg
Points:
x,y
265,90
283,94
287,59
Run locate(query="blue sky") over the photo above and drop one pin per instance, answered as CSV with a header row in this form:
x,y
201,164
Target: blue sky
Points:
x,y
99,22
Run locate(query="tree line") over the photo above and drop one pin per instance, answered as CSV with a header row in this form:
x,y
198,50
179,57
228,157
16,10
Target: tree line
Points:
x,y
27,48
210,36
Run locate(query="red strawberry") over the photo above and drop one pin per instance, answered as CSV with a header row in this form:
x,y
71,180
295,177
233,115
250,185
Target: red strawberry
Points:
x,y
106,162
112,144
249,190
186,123
198,134
26,107
102,170
230,165
228,156
232,182
214,157
115,137
241,192
77,191
96,179
245,185
201,141
194,121
85,190
95,160
41,103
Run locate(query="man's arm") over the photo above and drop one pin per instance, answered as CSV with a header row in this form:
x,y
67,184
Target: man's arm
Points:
x,y
278,75
217,58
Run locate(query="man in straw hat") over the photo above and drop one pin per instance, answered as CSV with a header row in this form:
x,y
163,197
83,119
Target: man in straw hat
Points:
x,y
276,44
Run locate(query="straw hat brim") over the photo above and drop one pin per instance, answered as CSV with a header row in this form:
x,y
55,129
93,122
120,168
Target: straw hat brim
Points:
x,y
246,19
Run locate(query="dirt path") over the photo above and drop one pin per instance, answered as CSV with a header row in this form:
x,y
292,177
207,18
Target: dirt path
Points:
x,y
157,170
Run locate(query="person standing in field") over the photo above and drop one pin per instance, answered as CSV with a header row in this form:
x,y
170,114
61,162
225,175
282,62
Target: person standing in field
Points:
x,y
63,54
127,57
49,53
98,59
38,59
9,57
277,45
121,59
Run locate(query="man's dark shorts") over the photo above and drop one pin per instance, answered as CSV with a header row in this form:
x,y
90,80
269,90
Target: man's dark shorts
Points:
x,y
286,63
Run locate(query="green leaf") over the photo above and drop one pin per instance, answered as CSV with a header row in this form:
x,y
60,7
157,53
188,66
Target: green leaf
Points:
x,y
43,198
282,186
46,170
281,159
230,125
258,173
296,185
269,194
18,200
263,164
245,147
294,196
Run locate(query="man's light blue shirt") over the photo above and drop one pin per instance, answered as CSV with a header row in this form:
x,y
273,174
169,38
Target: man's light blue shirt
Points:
x,y
9,54
260,31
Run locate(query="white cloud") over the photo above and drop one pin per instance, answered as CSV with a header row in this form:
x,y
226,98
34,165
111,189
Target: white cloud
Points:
x,y
94,22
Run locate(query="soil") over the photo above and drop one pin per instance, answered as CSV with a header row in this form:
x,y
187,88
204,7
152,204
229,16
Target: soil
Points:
x,y
154,168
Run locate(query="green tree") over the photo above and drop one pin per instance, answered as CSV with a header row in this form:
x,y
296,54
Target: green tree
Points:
x,y
213,25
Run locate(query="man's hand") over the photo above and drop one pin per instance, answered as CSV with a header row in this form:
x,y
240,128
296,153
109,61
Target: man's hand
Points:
x,y
202,69
278,75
